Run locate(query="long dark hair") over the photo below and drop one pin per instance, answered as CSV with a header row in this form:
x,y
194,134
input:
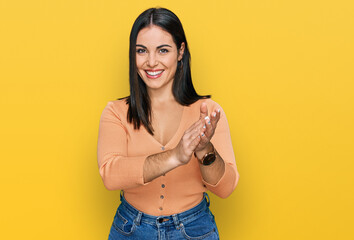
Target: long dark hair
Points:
x,y
139,111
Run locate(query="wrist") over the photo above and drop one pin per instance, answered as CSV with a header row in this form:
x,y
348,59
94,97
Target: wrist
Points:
x,y
174,158
201,153
209,158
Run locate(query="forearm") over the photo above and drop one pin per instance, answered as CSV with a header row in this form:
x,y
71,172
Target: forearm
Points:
x,y
158,164
211,173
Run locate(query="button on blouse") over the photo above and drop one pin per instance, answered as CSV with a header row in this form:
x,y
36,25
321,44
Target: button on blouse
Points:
x,y
122,151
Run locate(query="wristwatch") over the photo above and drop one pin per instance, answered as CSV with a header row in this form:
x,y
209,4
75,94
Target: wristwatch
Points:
x,y
208,158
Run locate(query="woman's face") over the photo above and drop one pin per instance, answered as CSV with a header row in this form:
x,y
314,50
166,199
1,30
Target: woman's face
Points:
x,y
156,57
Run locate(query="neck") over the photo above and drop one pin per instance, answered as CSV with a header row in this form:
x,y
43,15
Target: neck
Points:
x,y
161,95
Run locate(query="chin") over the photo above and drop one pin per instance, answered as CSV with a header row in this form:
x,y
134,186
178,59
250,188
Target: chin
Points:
x,y
156,83
154,86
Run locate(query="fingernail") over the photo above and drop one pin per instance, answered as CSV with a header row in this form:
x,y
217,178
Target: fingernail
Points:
x,y
202,134
214,114
207,117
218,109
204,126
209,122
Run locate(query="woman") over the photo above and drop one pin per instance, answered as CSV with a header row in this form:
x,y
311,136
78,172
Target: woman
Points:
x,y
164,146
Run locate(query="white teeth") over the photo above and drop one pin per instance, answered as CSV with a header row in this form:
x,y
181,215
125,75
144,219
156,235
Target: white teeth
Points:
x,y
154,73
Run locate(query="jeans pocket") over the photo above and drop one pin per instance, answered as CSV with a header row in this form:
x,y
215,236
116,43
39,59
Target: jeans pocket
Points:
x,y
201,227
123,223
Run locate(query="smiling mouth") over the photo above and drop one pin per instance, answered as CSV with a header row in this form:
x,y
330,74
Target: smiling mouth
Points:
x,y
154,74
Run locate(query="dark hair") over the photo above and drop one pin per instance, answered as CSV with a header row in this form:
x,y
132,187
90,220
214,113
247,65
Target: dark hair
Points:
x,y
139,111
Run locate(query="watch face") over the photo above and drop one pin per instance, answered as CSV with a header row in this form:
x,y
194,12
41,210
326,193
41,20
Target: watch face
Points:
x,y
209,159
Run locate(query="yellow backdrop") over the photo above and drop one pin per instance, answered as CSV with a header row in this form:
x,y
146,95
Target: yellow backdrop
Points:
x,y
282,71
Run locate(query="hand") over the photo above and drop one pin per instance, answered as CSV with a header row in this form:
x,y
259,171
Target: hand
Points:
x,y
189,141
210,123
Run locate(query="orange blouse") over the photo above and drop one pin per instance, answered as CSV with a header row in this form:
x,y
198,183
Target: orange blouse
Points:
x,y
122,151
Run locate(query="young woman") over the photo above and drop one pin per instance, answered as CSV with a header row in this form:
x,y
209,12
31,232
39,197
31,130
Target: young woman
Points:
x,y
164,145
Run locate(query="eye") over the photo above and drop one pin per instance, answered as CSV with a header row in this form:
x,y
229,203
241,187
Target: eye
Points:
x,y
163,50
140,50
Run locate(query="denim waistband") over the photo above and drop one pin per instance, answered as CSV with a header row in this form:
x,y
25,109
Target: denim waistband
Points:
x,y
166,220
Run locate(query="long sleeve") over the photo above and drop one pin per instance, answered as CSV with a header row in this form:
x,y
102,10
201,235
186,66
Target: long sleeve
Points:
x,y
123,150
222,143
118,171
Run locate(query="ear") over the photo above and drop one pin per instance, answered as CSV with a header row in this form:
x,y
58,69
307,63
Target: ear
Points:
x,y
181,51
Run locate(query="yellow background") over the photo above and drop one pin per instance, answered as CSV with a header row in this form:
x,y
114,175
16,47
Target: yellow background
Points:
x,y
282,70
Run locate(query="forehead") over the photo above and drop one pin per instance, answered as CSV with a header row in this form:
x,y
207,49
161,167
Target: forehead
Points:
x,y
154,36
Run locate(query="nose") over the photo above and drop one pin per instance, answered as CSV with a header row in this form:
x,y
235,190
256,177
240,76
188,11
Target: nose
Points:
x,y
152,60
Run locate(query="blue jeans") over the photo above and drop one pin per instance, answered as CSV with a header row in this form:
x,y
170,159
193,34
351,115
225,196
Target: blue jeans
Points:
x,y
195,223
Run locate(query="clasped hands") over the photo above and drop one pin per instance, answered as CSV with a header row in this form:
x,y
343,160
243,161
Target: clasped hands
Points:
x,y
197,137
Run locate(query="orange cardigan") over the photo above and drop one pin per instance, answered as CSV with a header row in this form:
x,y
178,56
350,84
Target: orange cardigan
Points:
x,y
122,151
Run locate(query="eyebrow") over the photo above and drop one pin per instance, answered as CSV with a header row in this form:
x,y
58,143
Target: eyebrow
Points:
x,y
163,45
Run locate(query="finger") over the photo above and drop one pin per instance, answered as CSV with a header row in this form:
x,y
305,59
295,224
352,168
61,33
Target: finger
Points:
x,y
193,133
208,127
215,116
203,140
203,110
195,125
195,142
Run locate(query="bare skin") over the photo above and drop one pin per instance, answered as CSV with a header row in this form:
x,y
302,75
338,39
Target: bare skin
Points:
x,y
167,112
165,120
195,139
211,173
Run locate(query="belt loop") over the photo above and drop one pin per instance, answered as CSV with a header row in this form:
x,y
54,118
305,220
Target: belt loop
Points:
x,y
207,198
137,220
121,195
176,222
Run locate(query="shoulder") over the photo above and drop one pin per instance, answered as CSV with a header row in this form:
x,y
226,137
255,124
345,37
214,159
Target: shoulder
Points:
x,y
120,105
118,108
